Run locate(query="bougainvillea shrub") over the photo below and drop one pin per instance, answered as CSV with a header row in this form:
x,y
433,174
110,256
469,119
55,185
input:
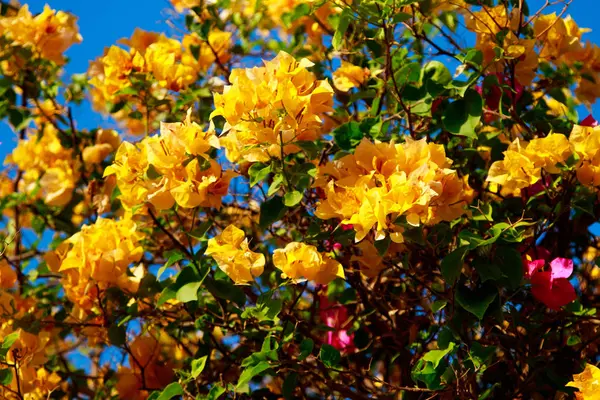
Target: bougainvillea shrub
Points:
x,y
321,199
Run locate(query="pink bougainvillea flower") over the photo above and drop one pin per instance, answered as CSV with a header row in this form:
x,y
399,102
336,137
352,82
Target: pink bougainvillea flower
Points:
x,y
589,121
335,316
551,286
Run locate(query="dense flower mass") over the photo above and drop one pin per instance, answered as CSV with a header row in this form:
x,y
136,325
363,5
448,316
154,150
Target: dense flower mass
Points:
x,y
173,167
46,163
268,109
48,34
525,162
96,258
230,251
301,261
301,199
382,181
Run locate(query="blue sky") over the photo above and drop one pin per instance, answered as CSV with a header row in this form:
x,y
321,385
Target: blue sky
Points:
x,y
103,23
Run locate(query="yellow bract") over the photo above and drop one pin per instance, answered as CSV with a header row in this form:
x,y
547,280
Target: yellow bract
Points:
x,y
588,383
95,258
170,168
230,251
524,161
349,76
49,34
302,261
44,158
269,108
382,181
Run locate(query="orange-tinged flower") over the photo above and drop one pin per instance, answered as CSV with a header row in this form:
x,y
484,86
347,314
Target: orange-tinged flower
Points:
x,y
8,276
233,256
382,181
349,76
301,261
588,383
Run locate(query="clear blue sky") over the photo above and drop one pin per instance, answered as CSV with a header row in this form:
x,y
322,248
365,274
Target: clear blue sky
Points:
x,y
102,23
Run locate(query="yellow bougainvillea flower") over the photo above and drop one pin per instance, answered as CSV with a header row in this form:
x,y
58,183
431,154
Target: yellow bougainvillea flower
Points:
x,y
48,34
95,258
45,161
523,161
369,260
586,143
349,76
383,181
230,251
8,276
269,108
302,261
173,167
588,383
107,141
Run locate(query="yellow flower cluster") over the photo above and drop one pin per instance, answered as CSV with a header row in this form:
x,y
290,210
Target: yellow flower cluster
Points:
x,y
487,23
152,366
230,251
165,63
46,162
269,108
524,162
302,261
95,258
48,34
349,76
561,43
29,351
8,276
383,181
173,167
588,383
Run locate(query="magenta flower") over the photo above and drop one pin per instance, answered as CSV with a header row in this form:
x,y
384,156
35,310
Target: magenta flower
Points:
x,y
589,121
551,285
336,317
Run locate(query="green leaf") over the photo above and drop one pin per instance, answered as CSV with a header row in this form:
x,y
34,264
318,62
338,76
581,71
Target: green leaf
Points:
x,y
340,32
7,343
573,340
476,301
436,76
452,264
152,173
224,289
172,390
400,17
172,257
200,231
348,135
167,294
271,211
188,292
258,172
306,348
435,356
290,199
462,116
6,376
198,366
511,265
329,355
117,335
409,73
249,373
19,118
383,245
289,386
215,392
438,305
